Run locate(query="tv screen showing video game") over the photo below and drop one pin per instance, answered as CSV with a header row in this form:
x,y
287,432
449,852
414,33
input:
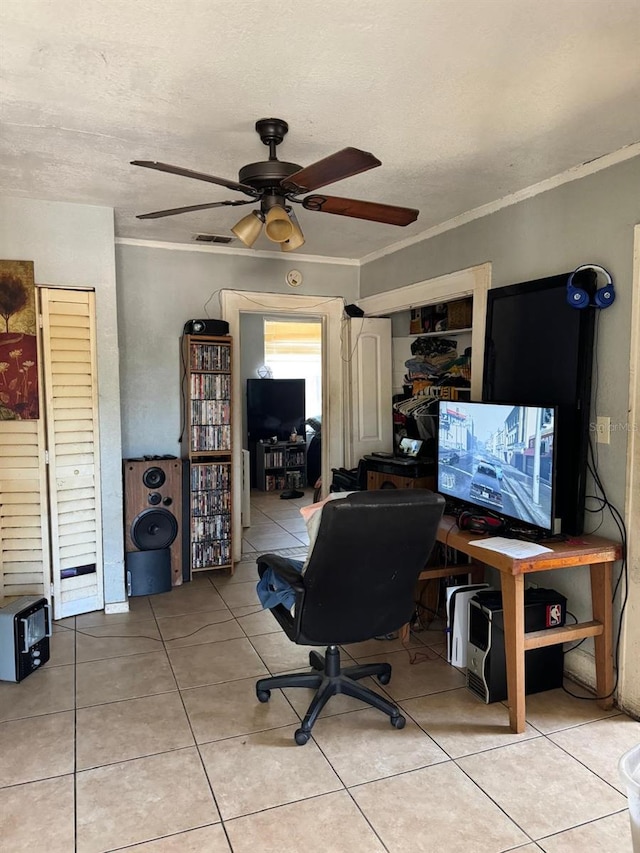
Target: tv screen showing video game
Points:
x,y
498,458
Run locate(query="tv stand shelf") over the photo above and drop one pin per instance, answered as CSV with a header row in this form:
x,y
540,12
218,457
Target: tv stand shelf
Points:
x,y
281,465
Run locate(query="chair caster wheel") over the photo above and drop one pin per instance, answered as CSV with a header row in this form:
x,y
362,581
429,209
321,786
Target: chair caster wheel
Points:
x,y
316,661
263,695
301,737
385,678
398,722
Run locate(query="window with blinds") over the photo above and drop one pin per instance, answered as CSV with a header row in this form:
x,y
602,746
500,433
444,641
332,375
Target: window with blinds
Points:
x,y
293,350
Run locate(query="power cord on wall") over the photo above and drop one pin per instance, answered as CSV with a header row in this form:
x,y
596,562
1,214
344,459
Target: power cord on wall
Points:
x,y
603,503
204,307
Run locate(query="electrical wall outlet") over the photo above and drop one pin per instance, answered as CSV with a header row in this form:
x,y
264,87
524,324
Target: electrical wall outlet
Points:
x,y
603,430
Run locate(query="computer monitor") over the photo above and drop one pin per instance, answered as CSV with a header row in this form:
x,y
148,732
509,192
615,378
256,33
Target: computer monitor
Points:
x,y
499,458
411,448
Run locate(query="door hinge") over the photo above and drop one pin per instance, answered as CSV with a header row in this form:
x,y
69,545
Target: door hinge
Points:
x,y
46,457
40,321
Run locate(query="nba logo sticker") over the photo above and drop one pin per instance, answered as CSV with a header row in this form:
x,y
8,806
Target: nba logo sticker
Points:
x,y
554,615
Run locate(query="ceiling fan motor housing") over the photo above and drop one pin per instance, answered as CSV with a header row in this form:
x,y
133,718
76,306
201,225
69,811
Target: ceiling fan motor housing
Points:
x,y
267,174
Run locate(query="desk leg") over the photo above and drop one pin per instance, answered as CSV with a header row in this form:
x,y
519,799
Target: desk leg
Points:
x,y
513,609
602,609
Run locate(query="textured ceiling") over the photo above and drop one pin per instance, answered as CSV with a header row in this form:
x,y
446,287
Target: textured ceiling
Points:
x,y
463,101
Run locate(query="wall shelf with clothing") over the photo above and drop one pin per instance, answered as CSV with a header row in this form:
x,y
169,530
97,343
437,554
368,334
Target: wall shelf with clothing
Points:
x,y
430,363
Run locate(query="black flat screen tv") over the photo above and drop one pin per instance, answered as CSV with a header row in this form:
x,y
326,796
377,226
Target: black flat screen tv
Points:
x,y
275,407
499,458
539,352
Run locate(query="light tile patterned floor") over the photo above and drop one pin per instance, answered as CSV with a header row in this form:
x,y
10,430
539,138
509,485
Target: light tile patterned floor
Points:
x,y
143,733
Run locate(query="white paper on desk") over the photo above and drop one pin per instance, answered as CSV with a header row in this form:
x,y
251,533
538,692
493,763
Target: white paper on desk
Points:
x,y
512,547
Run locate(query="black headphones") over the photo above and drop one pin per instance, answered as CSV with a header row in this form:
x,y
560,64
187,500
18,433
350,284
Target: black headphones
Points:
x,y
579,298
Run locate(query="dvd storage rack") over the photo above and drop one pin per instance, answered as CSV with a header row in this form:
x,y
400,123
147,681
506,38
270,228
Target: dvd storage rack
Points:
x,y
207,383
281,465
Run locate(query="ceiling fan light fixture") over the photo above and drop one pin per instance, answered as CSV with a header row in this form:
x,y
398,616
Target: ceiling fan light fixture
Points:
x,y
278,227
248,228
297,237
273,184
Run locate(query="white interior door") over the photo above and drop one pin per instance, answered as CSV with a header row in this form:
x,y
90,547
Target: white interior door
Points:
x,y
370,417
71,390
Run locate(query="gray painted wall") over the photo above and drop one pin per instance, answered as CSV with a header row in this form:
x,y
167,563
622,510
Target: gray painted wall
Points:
x,y
251,358
72,245
589,220
158,291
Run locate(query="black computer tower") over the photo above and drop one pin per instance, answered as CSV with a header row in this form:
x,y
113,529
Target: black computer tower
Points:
x,y
486,664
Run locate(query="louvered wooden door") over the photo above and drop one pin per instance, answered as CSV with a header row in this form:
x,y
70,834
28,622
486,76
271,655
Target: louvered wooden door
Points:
x,y
71,416
50,531
24,526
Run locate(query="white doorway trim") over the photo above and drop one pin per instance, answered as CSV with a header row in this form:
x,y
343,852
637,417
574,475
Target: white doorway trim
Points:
x,y
329,310
473,281
629,674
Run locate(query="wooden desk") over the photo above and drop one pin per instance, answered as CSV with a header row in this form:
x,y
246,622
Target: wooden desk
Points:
x,y
593,551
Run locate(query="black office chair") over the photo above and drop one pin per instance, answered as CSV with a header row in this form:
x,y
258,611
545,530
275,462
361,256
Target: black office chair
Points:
x,y
359,584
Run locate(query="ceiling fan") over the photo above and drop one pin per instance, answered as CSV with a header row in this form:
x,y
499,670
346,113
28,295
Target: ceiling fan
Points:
x,y
276,184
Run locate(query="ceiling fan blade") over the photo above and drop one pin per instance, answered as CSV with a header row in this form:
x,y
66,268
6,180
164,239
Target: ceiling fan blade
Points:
x,y
159,213
342,164
372,210
199,176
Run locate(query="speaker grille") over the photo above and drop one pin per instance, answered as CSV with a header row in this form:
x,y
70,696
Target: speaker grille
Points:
x,y
154,528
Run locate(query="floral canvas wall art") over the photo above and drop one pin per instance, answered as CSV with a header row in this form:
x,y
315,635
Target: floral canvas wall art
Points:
x,y
18,344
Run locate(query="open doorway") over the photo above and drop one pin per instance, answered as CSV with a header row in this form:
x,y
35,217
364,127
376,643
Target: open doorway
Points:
x,y
281,384
281,369
293,350
237,306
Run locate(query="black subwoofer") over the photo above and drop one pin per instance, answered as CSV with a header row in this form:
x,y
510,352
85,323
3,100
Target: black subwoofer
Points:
x,y
148,572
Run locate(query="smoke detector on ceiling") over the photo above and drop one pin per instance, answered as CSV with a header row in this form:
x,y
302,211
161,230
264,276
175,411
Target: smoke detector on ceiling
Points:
x,y
212,238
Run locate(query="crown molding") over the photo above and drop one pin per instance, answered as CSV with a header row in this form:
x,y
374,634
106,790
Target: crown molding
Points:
x,y
573,174
228,250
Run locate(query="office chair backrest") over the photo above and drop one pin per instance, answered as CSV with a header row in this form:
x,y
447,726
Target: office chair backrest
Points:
x,y
361,576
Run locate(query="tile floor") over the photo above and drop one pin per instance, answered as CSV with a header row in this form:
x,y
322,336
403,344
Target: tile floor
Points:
x,y
143,733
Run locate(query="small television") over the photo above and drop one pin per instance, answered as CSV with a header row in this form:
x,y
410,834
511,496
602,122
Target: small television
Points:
x,y
275,407
499,458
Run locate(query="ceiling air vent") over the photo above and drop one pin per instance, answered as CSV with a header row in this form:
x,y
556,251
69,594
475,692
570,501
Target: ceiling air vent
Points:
x,y
212,238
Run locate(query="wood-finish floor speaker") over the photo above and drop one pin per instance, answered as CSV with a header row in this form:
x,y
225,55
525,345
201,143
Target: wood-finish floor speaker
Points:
x,y
153,509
